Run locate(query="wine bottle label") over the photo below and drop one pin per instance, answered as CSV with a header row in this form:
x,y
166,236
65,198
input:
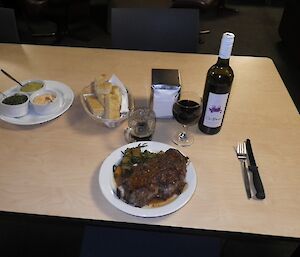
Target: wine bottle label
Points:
x,y
215,110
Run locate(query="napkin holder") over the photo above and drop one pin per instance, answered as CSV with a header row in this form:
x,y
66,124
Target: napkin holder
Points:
x,y
165,89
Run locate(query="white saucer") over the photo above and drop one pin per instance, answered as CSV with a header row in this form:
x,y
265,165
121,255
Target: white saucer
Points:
x,y
32,118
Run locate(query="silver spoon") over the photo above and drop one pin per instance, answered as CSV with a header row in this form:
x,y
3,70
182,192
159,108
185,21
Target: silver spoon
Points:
x,y
11,77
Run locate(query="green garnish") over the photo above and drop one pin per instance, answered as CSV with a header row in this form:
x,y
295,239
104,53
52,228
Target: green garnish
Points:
x,y
15,99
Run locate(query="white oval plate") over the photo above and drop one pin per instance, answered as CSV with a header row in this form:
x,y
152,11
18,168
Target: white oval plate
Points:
x,y
108,188
33,118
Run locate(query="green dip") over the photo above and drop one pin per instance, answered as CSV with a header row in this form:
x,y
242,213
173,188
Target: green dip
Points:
x,y
32,86
15,99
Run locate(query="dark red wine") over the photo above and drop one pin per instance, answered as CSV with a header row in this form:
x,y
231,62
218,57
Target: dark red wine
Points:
x,y
186,112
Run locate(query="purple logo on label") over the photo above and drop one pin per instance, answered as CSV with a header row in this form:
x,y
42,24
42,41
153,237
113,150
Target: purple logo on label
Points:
x,y
215,109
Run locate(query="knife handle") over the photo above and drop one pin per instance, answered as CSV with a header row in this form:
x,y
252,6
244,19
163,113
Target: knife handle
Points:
x,y
260,192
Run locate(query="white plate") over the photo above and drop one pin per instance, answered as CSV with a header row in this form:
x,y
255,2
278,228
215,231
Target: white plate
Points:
x,y
108,188
32,118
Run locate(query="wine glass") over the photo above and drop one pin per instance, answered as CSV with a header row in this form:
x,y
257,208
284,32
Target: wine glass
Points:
x,y
187,111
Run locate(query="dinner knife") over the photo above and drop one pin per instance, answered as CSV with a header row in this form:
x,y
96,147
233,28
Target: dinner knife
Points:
x,y
246,180
260,192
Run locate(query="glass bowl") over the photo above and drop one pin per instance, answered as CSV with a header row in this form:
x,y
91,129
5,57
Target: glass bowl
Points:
x,y
110,123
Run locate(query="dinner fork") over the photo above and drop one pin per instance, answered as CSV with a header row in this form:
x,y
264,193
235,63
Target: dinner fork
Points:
x,y
242,156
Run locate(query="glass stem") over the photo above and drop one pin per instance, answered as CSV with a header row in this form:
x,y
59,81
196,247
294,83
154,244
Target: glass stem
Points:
x,y
183,134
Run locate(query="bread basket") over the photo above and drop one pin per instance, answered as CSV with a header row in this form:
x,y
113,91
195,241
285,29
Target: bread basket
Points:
x,y
126,105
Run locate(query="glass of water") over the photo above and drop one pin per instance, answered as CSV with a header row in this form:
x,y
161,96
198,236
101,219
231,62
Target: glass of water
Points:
x,y
141,125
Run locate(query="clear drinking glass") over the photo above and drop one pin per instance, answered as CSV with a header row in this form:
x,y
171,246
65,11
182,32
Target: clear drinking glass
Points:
x,y
187,111
141,125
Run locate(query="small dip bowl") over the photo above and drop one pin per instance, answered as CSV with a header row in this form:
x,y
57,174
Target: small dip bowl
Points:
x,y
32,86
14,105
44,101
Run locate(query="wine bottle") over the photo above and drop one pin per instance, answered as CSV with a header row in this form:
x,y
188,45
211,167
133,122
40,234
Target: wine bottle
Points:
x,y
217,89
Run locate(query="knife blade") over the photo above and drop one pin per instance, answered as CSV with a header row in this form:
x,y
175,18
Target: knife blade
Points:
x,y
246,180
260,192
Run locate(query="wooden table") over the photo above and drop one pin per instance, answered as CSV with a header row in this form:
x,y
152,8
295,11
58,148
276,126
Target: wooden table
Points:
x,y
52,168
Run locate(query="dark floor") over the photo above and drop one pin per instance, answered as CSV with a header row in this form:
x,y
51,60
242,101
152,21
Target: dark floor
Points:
x,y
256,29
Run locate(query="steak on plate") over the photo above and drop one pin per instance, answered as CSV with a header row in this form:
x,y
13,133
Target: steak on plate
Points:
x,y
156,179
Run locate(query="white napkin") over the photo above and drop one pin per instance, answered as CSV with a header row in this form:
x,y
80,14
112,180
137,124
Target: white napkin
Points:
x,y
163,100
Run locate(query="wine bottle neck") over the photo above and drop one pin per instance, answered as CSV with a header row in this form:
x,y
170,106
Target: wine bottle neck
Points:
x,y
226,45
222,62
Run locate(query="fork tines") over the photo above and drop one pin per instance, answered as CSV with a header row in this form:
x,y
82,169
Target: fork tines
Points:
x,y
241,148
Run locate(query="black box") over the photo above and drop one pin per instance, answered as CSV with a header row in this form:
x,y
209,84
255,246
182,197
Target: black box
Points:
x,y
168,77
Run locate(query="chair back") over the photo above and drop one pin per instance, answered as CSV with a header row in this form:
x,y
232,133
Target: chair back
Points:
x,y
155,29
8,26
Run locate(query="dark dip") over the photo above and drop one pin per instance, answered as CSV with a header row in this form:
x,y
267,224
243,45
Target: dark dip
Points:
x,y
15,99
